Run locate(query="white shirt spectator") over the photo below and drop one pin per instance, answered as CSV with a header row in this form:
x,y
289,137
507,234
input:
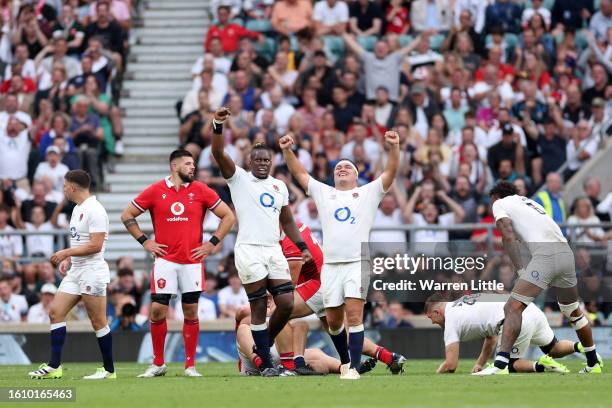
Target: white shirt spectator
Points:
x,y
205,157
227,297
39,244
11,246
282,114
191,102
581,235
219,84
477,8
303,156
14,153
206,310
21,116
221,64
588,145
424,236
38,314
234,5
383,220
529,12
329,16
56,174
504,90
606,206
12,310
372,150
494,136
310,217
28,70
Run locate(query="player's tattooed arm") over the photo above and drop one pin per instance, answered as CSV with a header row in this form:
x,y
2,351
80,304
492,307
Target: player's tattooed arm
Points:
x,y
510,241
128,218
290,228
226,164
452,359
295,167
129,222
488,345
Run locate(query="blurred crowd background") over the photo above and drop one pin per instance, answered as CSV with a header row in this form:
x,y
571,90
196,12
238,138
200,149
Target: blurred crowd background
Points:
x,y
479,91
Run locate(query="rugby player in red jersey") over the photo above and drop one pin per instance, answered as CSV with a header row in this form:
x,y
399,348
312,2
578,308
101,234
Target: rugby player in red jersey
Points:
x,y
177,205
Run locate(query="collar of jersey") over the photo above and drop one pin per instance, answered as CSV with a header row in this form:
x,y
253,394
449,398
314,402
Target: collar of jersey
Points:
x,y
87,199
253,178
170,184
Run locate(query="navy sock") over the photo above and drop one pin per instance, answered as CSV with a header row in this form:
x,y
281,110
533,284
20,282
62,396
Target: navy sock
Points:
x,y
355,344
262,343
576,349
105,341
591,355
339,340
58,335
299,361
539,368
502,360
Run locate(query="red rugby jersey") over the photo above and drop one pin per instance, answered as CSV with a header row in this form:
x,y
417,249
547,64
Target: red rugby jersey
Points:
x,y
178,215
311,270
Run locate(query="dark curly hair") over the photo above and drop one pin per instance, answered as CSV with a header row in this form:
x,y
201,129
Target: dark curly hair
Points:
x,y
503,189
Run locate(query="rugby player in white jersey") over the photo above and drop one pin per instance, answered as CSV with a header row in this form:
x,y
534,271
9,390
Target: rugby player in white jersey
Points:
x,y
347,213
262,207
520,219
480,316
86,277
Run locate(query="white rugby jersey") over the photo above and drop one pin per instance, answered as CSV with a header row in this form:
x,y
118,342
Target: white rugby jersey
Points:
x,y
346,217
477,316
87,218
258,203
529,219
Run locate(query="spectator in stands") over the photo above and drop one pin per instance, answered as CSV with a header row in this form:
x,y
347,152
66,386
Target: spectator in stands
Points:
x,y
23,60
231,297
389,215
68,27
582,146
227,32
291,16
118,9
37,199
537,7
28,30
330,17
13,307
282,111
395,317
207,310
12,108
366,18
455,114
97,61
571,13
87,135
39,313
584,214
14,153
109,31
11,246
397,19
504,14
602,21
58,47
126,320
509,148
434,15
550,198
358,137
592,189
52,168
474,10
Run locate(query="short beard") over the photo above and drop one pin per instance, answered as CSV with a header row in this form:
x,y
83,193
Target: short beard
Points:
x,y
185,178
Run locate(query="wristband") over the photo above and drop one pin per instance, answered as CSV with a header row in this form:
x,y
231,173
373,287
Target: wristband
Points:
x,y
302,245
214,240
217,126
141,239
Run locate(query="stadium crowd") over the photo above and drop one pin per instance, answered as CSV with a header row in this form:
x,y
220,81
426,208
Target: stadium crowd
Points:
x,y
478,91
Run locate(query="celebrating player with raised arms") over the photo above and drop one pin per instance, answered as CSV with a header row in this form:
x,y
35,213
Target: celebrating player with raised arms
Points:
x,y
262,207
552,264
177,205
86,277
347,213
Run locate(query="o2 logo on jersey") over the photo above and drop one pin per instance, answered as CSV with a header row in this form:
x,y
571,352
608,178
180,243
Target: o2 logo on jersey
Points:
x,y
343,214
177,208
267,200
74,234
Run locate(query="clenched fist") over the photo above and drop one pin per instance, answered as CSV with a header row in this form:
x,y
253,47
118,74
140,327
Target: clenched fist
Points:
x,y
286,141
392,137
222,114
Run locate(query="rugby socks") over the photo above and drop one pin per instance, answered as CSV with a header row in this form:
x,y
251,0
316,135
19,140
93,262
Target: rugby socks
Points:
x,y
105,341
257,361
191,330
577,347
501,360
384,355
299,361
58,335
591,355
159,329
287,361
262,343
339,339
538,368
355,345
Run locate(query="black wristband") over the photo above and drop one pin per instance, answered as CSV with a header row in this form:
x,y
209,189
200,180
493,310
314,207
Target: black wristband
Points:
x,y
302,245
141,239
214,240
217,127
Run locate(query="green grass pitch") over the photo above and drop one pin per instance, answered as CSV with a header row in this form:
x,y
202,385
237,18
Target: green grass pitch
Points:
x,y
417,387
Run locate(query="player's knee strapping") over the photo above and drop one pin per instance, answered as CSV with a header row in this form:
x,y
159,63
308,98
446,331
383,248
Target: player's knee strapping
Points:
x,y
511,365
577,322
161,298
258,294
281,289
190,298
526,300
548,348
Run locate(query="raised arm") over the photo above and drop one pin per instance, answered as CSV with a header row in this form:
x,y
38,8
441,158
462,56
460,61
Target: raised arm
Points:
x,y
390,172
452,359
295,167
453,205
411,46
226,164
409,210
352,44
